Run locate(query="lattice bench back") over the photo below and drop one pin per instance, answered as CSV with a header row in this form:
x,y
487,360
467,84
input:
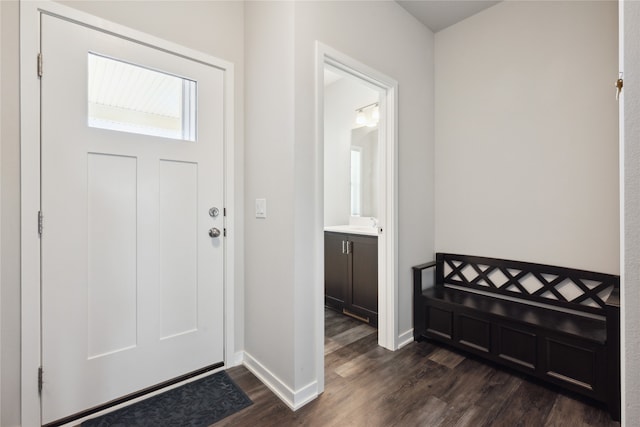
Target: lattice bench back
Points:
x,y
558,286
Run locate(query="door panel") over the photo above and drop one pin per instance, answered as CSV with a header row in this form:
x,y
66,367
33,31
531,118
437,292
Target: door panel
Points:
x,y
178,247
132,284
111,254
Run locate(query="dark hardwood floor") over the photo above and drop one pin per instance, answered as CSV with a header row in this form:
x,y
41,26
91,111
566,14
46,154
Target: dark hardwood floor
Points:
x,y
421,384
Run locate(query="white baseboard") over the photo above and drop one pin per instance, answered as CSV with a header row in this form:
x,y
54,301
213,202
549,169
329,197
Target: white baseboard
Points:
x,y
305,395
293,399
405,338
237,359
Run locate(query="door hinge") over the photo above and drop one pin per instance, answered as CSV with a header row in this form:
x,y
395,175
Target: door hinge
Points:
x,y
40,223
39,64
619,85
40,380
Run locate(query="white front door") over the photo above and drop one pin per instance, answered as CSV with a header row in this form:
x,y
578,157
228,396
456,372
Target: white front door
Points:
x,y
132,282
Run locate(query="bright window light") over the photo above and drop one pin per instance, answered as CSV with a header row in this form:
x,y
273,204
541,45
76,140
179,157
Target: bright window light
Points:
x,y
356,181
129,98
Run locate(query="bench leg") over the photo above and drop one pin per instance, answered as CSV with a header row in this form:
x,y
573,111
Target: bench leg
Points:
x,y
613,360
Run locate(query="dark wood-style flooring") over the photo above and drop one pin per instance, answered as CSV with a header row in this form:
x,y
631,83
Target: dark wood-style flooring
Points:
x,y
421,384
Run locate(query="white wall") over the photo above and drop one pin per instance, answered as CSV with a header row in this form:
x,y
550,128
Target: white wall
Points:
x,y
10,218
215,28
281,158
341,99
630,180
269,164
526,131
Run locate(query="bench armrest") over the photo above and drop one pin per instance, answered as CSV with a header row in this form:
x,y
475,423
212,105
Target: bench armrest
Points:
x,y
614,298
418,303
417,277
424,266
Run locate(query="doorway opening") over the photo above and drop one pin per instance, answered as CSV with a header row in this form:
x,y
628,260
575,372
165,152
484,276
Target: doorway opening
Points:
x,y
357,197
351,195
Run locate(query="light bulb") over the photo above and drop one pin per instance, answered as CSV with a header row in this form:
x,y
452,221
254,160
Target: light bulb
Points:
x,y
375,114
360,118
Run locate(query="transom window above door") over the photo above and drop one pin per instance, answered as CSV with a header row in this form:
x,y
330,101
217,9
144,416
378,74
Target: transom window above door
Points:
x,y
131,98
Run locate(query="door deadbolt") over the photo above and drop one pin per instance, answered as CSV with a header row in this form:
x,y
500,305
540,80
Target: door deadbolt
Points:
x,y
214,232
214,212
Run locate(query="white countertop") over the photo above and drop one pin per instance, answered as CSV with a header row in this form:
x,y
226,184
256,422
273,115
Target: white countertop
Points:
x,y
353,229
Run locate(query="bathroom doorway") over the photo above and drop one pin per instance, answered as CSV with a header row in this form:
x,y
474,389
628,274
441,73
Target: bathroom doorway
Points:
x,y
358,178
351,195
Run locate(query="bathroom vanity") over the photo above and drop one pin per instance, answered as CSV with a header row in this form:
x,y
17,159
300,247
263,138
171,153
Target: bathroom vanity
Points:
x,y
351,271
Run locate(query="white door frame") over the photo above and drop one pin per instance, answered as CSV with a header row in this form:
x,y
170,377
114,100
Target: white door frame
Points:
x,y
387,218
30,12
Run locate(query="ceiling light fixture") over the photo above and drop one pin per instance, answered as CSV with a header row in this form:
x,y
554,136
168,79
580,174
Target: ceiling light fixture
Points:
x,y
369,115
375,114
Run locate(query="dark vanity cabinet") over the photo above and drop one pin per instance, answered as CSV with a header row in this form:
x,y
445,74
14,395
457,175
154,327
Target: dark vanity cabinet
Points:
x,y
351,275
336,270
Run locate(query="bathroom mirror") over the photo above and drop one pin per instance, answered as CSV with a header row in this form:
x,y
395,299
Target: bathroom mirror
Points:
x,y
364,171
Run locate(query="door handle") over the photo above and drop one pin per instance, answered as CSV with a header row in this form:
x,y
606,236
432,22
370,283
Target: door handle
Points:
x,y
214,232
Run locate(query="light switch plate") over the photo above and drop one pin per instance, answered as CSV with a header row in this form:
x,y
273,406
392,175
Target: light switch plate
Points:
x,y
261,208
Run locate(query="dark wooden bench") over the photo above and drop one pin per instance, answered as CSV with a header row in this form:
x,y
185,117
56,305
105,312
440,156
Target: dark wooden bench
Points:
x,y
556,324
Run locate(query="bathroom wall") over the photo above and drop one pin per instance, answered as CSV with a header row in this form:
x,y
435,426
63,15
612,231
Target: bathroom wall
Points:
x,y
526,134
341,99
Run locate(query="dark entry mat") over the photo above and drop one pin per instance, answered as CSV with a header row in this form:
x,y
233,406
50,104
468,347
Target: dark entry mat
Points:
x,y
197,404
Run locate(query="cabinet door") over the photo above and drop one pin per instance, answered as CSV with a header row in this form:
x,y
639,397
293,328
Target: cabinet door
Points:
x,y
363,295
336,272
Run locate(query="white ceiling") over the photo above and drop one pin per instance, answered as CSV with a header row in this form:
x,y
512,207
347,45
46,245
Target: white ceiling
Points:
x,y
439,14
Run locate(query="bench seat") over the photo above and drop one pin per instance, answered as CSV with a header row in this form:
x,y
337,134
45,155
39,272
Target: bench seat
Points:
x,y
525,314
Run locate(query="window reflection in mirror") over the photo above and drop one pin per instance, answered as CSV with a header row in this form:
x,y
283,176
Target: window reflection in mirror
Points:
x,y
364,171
356,180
